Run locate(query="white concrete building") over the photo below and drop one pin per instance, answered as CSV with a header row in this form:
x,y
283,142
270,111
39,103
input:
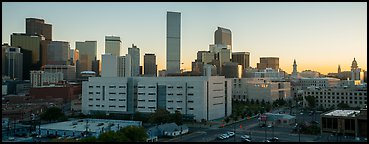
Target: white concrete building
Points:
x,y
69,72
266,73
354,95
301,84
134,52
200,96
309,74
41,78
124,66
260,89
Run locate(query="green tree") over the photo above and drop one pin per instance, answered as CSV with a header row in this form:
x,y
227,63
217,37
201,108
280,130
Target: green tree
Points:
x,y
88,139
177,117
160,116
343,106
252,101
52,114
133,133
226,119
257,101
247,101
109,136
311,101
263,102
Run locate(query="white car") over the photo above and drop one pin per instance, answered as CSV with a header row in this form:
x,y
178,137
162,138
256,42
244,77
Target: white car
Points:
x,y
245,137
225,136
230,134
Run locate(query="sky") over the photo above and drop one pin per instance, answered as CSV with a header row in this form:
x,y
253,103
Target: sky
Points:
x,y
320,36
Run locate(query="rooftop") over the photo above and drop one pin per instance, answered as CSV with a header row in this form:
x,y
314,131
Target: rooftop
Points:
x,y
344,113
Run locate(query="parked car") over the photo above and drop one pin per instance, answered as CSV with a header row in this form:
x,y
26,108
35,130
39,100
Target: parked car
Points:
x,y
220,137
265,141
245,140
274,139
230,134
270,126
245,137
225,136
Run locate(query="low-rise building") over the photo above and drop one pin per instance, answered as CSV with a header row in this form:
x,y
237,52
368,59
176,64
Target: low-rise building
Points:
x,y
260,89
68,92
346,122
82,127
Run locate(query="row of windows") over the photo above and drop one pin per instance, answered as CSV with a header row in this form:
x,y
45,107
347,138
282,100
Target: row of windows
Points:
x,y
109,93
355,102
321,97
145,107
337,93
109,99
109,86
145,100
148,93
109,106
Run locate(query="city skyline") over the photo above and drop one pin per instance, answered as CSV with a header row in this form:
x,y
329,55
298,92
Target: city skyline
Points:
x,y
320,36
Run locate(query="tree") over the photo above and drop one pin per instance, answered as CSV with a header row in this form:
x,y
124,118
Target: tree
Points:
x,y
247,101
311,101
226,119
89,139
177,118
134,133
257,101
268,107
252,101
263,102
160,116
110,136
343,106
51,114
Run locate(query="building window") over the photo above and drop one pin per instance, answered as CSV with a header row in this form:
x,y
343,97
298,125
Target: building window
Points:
x,y
97,92
190,87
190,101
141,100
190,108
122,106
152,100
122,100
112,93
90,92
122,93
97,105
179,101
170,86
90,105
90,99
179,108
141,107
102,105
98,99
355,97
179,94
111,99
141,93
170,94
170,101
112,86
112,106
97,86
170,108
152,87
122,86
90,86
151,93
141,86
179,86
151,107
190,94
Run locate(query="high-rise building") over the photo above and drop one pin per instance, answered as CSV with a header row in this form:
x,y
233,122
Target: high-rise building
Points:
x,y
39,27
205,56
96,66
173,42
14,63
74,56
27,63
28,42
58,53
124,66
242,58
150,66
113,45
69,72
109,65
87,53
232,70
134,52
3,48
268,62
223,36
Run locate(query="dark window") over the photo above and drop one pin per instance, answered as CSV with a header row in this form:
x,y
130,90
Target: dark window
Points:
x,y
152,100
141,86
112,106
179,94
190,101
97,92
122,93
190,108
112,93
179,86
90,86
151,86
97,99
97,86
190,87
90,92
122,106
112,86
190,94
122,86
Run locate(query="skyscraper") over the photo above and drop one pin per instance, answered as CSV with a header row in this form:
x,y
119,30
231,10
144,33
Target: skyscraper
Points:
x,y
150,66
223,36
29,42
87,53
109,65
13,63
58,53
242,58
124,66
74,56
134,52
39,27
173,42
113,45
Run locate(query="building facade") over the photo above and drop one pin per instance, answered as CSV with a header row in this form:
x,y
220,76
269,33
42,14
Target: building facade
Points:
x,y
69,72
150,67
58,53
28,42
203,97
268,62
125,66
41,78
223,36
39,27
13,63
109,65
134,52
87,53
113,45
242,58
173,42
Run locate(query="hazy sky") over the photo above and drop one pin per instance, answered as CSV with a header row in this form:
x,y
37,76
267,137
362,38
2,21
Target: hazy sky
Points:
x,y
320,36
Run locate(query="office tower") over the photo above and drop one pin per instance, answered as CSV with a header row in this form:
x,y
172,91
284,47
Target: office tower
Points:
x,y
232,70
150,65
339,69
109,65
242,58
58,53
268,62
3,48
29,42
124,66
294,72
223,56
173,42
96,66
38,27
74,56
223,36
87,53
113,45
14,63
205,56
69,72
134,52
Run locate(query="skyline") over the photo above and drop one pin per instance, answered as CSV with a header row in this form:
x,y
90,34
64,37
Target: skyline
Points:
x,y
307,32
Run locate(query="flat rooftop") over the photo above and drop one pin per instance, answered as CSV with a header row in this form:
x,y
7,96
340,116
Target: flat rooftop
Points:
x,y
94,125
344,113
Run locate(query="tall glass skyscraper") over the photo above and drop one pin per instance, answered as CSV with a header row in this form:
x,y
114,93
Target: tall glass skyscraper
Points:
x,y
223,36
173,42
87,53
134,51
112,45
